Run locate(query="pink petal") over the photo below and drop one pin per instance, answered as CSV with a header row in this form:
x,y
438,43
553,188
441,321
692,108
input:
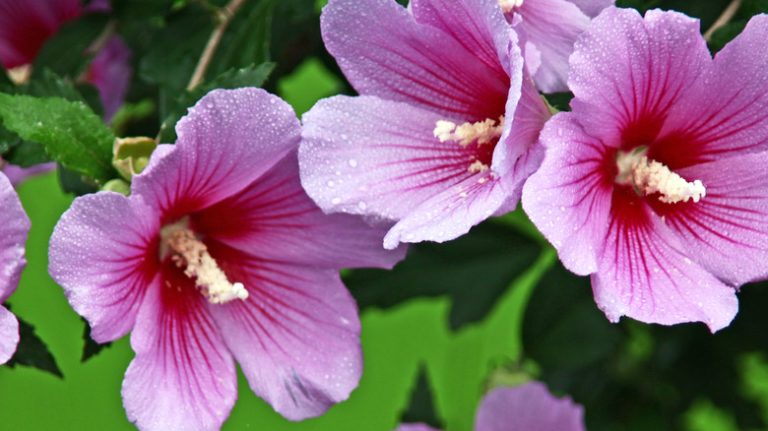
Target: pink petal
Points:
x,y
646,273
379,158
477,25
276,220
183,377
102,253
725,113
13,237
16,174
9,334
452,212
228,139
568,198
628,72
592,8
26,25
727,231
527,408
552,27
296,337
110,72
365,155
385,52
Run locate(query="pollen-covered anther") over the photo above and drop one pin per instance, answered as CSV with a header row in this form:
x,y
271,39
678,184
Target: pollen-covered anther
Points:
x,y
477,167
508,6
482,132
191,254
649,176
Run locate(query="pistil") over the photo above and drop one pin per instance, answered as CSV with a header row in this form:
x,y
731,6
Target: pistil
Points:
x,y
649,177
192,254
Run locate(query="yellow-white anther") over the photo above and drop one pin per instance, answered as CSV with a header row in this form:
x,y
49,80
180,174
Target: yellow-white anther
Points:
x,y
192,254
649,176
508,6
477,167
464,134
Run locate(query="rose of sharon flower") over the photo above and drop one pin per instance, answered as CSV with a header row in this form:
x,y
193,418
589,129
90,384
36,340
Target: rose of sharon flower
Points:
x,y
656,183
13,236
218,255
446,128
548,29
529,407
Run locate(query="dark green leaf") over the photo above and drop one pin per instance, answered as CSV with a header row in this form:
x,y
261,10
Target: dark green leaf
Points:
x,y
560,101
247,39
67,52
26,154
90,347
74,183
251,76
33,352
421,407
474,271
176,47
70,132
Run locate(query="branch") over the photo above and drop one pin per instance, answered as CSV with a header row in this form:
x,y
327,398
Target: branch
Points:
x,y
723,19
225,16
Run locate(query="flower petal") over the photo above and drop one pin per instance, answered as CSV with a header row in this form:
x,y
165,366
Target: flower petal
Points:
x,y
478,25
568,198
110,72
17,174
725,114
276,220
592,8
227,141
365,155
645,274
183,377
727,231
296,337
385,52
13,238
552,27
628,72
526,408
454,211
102,253
9,334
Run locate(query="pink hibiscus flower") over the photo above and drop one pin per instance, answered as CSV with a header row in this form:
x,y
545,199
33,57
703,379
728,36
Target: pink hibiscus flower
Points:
x,y
656,183
445,130
218,255
529,407
13,236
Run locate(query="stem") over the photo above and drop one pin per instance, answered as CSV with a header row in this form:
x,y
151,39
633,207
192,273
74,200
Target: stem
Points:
x,y
225,16
723,19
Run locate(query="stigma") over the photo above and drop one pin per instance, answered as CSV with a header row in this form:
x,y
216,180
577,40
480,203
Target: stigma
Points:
x,y
509,6
649,177
192,255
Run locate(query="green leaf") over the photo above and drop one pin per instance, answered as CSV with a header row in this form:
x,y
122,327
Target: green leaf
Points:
x,y
33,352
474,271
251,76
247,38
67,52
70,132
26,154
421,407
90,347
74,183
